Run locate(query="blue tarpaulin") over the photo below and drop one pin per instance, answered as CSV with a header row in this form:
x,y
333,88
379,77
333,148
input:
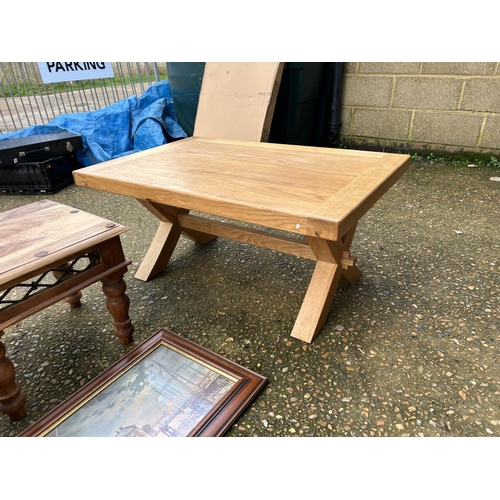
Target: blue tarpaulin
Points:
x,y
125,127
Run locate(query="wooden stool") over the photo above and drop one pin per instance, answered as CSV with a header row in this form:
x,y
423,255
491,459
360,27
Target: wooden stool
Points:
x,y
49,252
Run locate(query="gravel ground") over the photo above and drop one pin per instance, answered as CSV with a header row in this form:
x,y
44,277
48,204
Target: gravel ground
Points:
x,y
411,349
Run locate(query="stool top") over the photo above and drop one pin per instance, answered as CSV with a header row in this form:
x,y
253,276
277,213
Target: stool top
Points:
x,y
36,235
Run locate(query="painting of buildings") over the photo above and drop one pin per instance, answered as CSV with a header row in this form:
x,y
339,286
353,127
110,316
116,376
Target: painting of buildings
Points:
x,y
165,394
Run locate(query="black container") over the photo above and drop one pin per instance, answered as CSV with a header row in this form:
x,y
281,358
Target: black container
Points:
x,y
300,97
47,177
185,84
37,148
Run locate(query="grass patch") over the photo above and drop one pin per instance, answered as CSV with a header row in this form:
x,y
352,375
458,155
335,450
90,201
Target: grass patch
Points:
x,y
33,88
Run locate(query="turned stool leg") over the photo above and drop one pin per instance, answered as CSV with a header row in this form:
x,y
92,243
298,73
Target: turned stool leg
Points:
x,y
114,286
12,399
72,300
117,303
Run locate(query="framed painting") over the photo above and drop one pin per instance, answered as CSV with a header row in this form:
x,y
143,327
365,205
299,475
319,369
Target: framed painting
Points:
x,y
167,386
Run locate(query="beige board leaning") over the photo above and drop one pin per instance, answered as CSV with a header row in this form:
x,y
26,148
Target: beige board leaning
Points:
x,y
237,100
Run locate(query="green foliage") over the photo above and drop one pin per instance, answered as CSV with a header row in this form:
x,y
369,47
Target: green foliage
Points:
x,y
457,159
494,162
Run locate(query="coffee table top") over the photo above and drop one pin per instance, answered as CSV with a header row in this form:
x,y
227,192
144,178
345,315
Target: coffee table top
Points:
x,y
40,233
312,191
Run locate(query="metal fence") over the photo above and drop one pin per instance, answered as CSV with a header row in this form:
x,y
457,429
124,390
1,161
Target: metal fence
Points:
x,y
25,100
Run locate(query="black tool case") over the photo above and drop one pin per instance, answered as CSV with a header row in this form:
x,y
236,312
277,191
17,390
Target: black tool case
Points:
x,y
38,147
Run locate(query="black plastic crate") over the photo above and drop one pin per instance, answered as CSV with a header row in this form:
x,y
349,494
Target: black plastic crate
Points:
x,y
47,177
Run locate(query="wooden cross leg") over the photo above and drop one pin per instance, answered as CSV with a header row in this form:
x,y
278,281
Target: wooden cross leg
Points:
x,y
166,239
334,263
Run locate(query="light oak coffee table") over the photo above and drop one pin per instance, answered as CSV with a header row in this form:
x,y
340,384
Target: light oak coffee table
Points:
x,y
313,196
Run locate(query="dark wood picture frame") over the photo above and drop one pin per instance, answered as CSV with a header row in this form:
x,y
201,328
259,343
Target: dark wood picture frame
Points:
x,y
166,386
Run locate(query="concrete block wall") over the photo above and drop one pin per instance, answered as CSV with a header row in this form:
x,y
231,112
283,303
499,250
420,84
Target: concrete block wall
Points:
x,y
415,106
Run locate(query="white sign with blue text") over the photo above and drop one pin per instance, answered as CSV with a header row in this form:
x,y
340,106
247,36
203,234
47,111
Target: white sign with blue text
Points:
x,y
52,72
